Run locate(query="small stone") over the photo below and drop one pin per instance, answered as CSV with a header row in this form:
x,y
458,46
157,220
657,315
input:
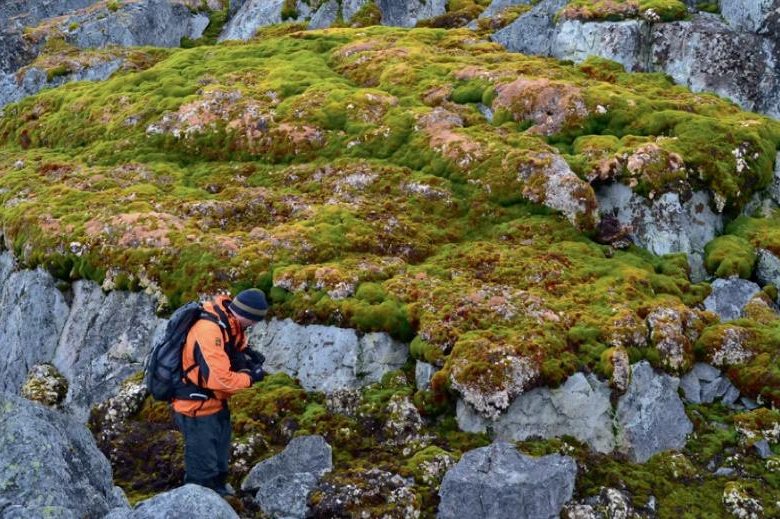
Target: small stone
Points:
x,y
762,448
705,372
689,383
724,471
423,373
729,297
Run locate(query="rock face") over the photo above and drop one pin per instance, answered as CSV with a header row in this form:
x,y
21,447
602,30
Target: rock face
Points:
x,y
533,32
17,86
326,358
748,15
704,53
50,464
34,314
650,416
498,482
104,341
406,13
734,59
23,13
667,224
729,297
283,482
625,42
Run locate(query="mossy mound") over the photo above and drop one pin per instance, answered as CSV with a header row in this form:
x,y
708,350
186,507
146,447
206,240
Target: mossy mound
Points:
x,y
353,175
616,10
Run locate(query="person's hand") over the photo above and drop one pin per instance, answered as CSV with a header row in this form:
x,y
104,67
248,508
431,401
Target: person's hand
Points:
x,y
257,374
255,359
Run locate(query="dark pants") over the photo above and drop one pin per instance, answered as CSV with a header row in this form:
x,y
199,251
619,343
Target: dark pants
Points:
x,y
206,448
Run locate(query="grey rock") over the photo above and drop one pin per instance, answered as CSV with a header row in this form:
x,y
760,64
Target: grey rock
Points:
x,y
705,54
349,8
326,358
496,482
187,501
469,420
724,471
729,297
34,313
406,13
159,23
50,466
705,372
285,495
325,16
17,86
532,32
650,416
580,408
105,340
234,6
626,42
304,454
423,373
747,15
767,268
762,449
252,15
664,225
691,387
710,391
748,403
15,50
731,396
26,13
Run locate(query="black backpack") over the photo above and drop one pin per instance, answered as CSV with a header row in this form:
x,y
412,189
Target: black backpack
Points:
x,y
163,372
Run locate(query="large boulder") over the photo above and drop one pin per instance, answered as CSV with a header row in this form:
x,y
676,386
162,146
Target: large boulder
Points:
x,y
650,416
34,313
667,224
105,340
192,501
325,358
24,13
497,482
50,465
283,482
580,408
729,297
625,42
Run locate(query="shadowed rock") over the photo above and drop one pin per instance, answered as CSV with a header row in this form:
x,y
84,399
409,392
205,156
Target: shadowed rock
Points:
x,y
729,297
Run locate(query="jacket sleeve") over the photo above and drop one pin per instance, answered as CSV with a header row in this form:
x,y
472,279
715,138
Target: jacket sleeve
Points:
x,y
214,362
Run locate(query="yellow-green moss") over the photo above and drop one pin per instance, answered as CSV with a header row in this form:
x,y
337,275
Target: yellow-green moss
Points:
x,y
727,256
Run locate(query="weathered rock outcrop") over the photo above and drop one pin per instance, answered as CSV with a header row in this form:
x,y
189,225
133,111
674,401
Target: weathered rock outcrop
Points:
x,y
254,14
283,482
50,465
498,482
729,297
649,418
17,86
767,268
667,224
326,358
24,13
105,340
34,314
734,60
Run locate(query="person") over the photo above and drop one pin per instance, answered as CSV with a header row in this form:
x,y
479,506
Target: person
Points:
x,y
216,358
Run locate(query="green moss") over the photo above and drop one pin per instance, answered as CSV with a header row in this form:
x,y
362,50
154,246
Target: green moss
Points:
x,y
615,10
727,256
368,14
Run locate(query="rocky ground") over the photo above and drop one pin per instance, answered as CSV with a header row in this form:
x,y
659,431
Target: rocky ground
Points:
x,y
463,245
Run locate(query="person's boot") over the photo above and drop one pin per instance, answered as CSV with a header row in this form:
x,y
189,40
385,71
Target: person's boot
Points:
x,y
222,487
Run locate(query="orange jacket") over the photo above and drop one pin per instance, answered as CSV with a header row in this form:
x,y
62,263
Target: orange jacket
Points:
x,y
205,350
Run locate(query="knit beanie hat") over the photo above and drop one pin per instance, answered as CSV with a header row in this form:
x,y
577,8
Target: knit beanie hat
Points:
x,y
250,304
